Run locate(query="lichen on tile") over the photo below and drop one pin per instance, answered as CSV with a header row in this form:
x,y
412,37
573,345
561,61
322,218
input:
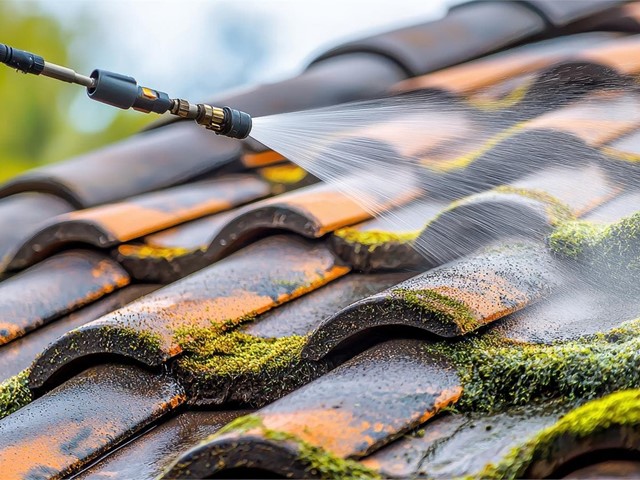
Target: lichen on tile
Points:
x,y
319,463
619,409
612,249
14,393
259,369
374,239
498,373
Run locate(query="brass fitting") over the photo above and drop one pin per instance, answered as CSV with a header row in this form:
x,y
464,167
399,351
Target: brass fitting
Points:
x,y
211,118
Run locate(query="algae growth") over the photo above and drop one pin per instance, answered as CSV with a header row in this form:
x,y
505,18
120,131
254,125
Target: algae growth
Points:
x,y
252,370
374,239
318,461
151,252
557,211
14,393
619,409
497,373
445,310
611,249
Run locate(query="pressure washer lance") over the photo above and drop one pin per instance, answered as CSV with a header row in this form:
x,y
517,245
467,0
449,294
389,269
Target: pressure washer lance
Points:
x,y
123,92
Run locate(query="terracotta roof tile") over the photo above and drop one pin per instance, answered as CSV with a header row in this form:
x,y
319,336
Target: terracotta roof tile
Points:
x,y
352,370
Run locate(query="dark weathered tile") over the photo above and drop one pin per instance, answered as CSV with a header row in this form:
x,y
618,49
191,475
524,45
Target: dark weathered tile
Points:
x,y
147,161
451,300
302,315
59,433
146,457
109,225
20,353
454,446
348,412
252,281
25,212
55,287
311,212
473,77
529,208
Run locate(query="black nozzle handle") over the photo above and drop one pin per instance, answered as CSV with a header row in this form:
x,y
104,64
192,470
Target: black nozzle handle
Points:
x,y
123,92
20,60
237,124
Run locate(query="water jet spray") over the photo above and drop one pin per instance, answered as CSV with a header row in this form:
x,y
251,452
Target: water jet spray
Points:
x,y
124,92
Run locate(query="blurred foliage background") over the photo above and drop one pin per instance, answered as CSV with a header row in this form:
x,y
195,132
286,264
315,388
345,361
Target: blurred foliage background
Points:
x,y
36,126
177,47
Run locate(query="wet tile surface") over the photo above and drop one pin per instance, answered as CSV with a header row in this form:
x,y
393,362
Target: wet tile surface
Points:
x,y
109,225
348,412
451,300
59,433
270,272
516,146
20,353
53,288
149,455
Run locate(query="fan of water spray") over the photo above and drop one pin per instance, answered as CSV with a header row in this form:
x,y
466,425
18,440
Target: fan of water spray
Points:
x,y
396,151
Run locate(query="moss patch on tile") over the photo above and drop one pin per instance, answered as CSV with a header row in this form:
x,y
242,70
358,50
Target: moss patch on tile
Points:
x,y
509,100
318,462
619,409
248,369
374,239
442,308
611,249
287,174
496,373
14,393
150,252
557,211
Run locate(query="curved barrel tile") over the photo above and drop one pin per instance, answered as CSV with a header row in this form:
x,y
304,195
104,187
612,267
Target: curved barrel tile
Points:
x,y
53,288
25,212
311,212
347,413
252,281
528,208
303,315
448,301
457,446
386,242
597,119
19,354
56,435
473,77
148,456
109,225
148,161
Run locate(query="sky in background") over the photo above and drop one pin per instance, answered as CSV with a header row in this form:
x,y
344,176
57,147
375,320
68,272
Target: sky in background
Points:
x,y
197,48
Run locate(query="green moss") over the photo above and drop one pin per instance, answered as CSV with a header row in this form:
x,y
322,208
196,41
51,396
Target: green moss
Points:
x,y
14,393
251,370
241,425
557,211
132,339
374,239
571,239
496,373
318,461
612,249
209,353
444,309
619,409
151,252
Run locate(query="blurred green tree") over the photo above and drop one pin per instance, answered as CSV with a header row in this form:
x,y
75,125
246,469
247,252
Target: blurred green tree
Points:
x,y
35,126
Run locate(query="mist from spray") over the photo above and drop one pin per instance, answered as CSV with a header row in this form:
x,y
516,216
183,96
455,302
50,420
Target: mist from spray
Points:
x,y
405,158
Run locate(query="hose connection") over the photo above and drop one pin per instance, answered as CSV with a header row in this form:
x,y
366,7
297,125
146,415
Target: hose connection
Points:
x,y
124,92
